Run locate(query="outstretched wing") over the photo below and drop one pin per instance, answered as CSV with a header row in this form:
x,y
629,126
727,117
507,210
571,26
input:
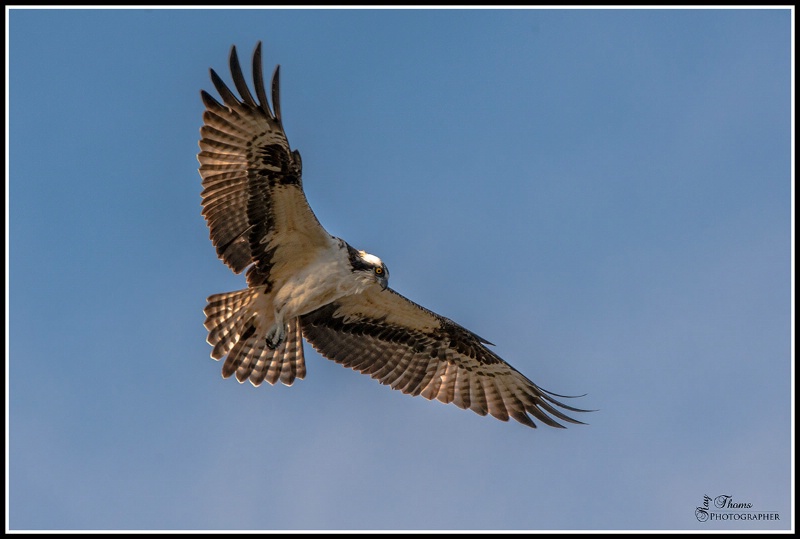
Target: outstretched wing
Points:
x,y
253,199
405,346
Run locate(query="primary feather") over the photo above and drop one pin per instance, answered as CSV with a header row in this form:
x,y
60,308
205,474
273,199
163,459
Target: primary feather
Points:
x,y
303,282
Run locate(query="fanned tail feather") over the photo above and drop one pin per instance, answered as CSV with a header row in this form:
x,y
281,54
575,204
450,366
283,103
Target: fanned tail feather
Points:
x,y
238,331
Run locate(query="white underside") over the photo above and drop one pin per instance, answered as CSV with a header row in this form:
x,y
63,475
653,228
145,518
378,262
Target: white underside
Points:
x,y
326,277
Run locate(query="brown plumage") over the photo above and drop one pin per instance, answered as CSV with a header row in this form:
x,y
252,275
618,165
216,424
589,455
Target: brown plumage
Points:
x,y
305,283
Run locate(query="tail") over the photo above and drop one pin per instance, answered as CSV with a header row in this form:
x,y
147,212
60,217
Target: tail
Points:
x,y
238,330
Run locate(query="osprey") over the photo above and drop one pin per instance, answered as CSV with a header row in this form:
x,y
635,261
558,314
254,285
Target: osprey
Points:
x,y
303,282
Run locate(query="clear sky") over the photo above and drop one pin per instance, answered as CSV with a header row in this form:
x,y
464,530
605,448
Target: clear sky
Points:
x,y
603,194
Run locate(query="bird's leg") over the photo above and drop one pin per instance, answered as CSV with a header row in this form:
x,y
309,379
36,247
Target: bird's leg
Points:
x,y
277,333
275,336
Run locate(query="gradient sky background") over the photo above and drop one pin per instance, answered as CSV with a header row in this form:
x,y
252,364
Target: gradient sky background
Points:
x,y
604,194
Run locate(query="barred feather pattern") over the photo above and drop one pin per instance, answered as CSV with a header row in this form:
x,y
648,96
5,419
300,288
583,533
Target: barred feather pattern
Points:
x,y
244,153
237,331
449,364
259,218
253,200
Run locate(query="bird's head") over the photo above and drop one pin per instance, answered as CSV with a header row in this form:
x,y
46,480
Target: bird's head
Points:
x,y
370,267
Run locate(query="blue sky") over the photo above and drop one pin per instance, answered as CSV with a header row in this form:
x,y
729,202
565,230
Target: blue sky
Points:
x,y
604,194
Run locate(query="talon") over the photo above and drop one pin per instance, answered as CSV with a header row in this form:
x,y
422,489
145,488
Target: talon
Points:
x,y
275,336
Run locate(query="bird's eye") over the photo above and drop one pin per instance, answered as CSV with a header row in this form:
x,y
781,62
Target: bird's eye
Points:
x,y
378,271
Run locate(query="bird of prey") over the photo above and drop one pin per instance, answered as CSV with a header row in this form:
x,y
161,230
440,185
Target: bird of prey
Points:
x,y
302,282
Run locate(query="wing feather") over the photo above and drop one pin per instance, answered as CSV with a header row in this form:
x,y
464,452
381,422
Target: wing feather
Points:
x,y
477,396
258,78
258,218
403,345
252,197
239,82
430,386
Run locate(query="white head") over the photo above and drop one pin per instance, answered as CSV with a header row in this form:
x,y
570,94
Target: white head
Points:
x,y
370,266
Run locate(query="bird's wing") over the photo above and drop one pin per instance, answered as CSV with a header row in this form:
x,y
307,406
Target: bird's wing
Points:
x,y
253,199
408,347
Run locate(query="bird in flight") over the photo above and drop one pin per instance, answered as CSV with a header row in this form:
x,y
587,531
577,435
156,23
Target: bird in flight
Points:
x,y
302,282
